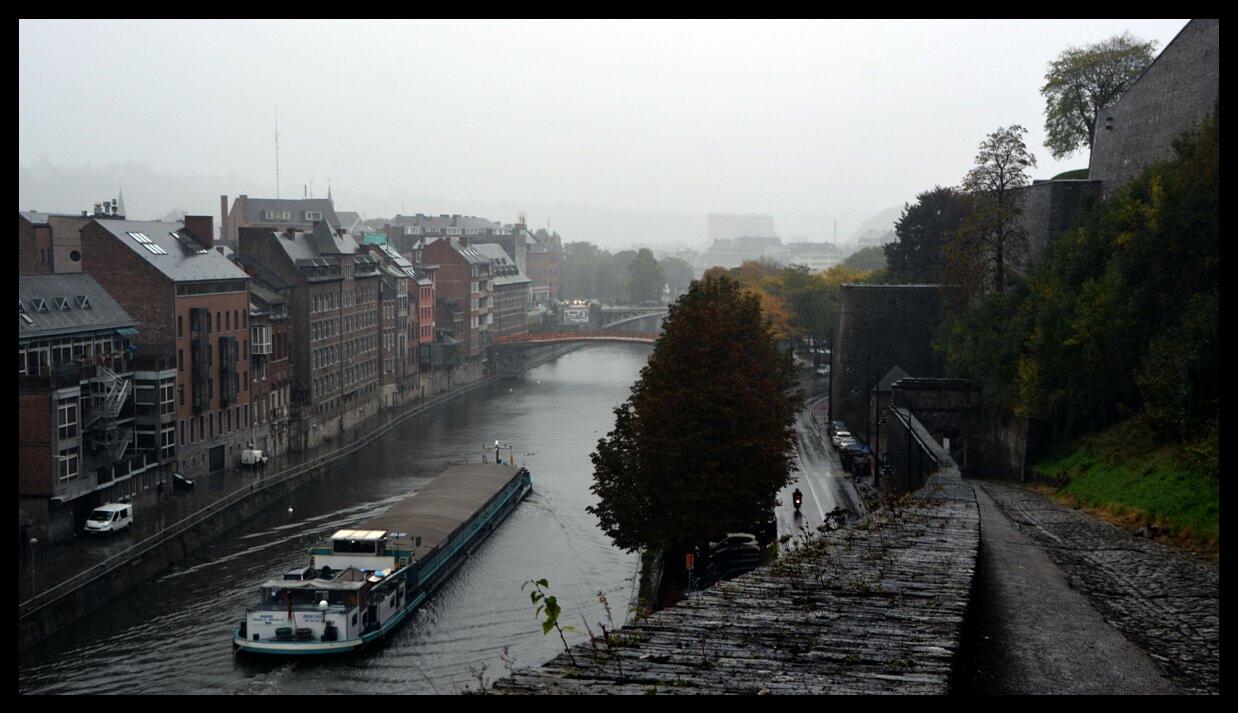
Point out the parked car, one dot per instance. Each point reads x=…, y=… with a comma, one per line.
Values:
x=835, y=427
x=839, y=437
x=112, y=517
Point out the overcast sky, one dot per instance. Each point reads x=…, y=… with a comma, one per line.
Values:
x=808, y=121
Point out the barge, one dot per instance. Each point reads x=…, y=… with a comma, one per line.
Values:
x=361, y=584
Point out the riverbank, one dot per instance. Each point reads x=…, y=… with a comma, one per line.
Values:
x=59, y=606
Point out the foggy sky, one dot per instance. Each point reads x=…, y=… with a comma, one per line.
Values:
x=658, y=123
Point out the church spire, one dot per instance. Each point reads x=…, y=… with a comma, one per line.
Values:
x=120, y=201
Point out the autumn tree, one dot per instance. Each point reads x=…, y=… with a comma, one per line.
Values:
x=1084, y=80
x=706, y=438
x=992, y=239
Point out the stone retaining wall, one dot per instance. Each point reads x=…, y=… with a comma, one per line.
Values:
x=877, y=607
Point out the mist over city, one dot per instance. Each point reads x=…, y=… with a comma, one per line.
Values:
x=616, y=133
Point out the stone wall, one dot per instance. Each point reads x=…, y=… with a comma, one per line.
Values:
x=876, y=607
x=1177, y=92
x=880, y=327
x=1049, y=207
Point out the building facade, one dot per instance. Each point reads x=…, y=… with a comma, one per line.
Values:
x=94, y=424
x=335, y=332
x=464, y=277
x=273, y=214
x=193, y=307
x=511, y=292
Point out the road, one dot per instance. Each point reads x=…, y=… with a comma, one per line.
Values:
x=819, y=473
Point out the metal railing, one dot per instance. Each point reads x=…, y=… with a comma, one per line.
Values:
x=50, y=595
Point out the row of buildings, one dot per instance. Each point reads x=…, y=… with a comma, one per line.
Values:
x=151, y=347
x=733, y=252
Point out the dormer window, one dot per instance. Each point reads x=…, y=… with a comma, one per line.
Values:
x=313, y=215
x=39, y=304
x=83, y=302
x=278, y=215
x=62, y=303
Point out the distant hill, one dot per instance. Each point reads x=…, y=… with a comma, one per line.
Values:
x=877, y=225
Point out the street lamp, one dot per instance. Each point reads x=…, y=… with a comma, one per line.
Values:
x=33, y=541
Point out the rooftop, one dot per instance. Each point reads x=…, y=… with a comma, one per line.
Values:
x=172, y=249
x=65, y=304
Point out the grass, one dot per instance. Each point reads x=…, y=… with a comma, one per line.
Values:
x=1126, y=480
x=1077, y=173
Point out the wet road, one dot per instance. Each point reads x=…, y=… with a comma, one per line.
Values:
x=173, y=635
x=820, y=475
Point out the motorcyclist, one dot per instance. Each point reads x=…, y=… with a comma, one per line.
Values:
x=797, y=497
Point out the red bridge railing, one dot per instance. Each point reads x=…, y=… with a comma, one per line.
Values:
x=602, y=336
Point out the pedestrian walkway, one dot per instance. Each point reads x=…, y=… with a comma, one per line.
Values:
x=1034, y=634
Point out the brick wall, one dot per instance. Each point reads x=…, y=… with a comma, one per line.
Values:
x=34, y=444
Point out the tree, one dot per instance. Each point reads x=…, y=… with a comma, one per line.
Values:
x=706, y=438
x=870, y=258
x=924, y=231
x=645, y=279
x=679, y=274
x=992, y=238
x=1084, y=80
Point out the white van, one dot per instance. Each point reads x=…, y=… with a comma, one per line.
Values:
x=112, y=517
x=253, y=458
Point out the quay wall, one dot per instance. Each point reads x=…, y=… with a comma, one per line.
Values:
x=58, y=608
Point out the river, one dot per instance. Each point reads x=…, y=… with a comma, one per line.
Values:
x=173, y=635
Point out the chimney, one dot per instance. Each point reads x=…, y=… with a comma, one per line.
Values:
x=202, y=227
x=223, y=218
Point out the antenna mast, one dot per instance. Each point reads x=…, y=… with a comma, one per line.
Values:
x=277, y=151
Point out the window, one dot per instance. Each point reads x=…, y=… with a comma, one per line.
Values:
x=166, y=401
x=180, y=326
x=67, y=421
x=68, y=464
x=168, y=445
x=180, y=359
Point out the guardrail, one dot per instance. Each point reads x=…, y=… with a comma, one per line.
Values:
x=48, y=596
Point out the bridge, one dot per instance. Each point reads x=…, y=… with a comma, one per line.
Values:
x=616, y=335
x=611, y=316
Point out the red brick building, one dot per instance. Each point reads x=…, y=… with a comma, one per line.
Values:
x=193, y=307
x=464, y=277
